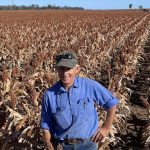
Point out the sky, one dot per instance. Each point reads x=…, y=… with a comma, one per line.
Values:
x=87, y=4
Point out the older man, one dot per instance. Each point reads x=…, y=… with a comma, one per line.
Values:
x=68, y=113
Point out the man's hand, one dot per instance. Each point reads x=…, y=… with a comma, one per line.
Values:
x=49, y=146
x=104, y=130
x=100, y=134
x=47, y=139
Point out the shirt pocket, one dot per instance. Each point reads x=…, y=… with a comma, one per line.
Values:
x=85, y=104
x=62, y=118
x=86, y=108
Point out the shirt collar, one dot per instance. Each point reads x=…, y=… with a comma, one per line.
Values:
x=75, y=85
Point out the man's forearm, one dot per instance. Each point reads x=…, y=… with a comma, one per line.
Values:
x=47, y=138
x=104, y=130
x=110, y=117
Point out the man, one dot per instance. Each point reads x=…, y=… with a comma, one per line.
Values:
x=68, y=113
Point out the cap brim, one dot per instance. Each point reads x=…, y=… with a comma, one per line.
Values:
x=69, y=63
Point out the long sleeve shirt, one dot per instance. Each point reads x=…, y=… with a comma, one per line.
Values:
x=71, y=114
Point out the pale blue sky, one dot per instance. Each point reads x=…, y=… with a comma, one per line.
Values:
x=87, y=4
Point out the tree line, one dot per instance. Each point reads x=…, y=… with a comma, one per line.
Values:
x=36, y=7
x=140, y=7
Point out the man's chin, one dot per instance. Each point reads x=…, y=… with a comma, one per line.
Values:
x=65, y=81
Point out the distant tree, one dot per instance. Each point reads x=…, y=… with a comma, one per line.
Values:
x=140, y=7
x=130, y=6
x=35, y=6
x=49, y=6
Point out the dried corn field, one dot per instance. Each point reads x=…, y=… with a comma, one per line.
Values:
x=109, y=44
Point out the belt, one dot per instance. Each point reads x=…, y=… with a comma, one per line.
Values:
x=73, y=141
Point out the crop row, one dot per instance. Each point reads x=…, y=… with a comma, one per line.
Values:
x=108, y=44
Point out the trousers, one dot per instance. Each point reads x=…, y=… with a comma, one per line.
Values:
x=87, y=145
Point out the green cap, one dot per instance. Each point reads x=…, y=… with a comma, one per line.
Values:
x=66, y=59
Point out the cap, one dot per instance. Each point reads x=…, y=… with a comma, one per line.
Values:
x=66, y=59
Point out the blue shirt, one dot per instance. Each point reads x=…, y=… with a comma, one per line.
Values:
x=71, y=114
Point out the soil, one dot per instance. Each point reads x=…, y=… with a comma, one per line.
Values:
x=139, y=106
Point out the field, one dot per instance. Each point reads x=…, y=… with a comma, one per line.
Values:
x=110, y=45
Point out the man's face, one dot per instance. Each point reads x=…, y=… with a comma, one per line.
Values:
x=67, y=75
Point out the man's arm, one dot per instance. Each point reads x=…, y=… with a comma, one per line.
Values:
x=47, y=139
x=45, y=119
x=104, y=130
